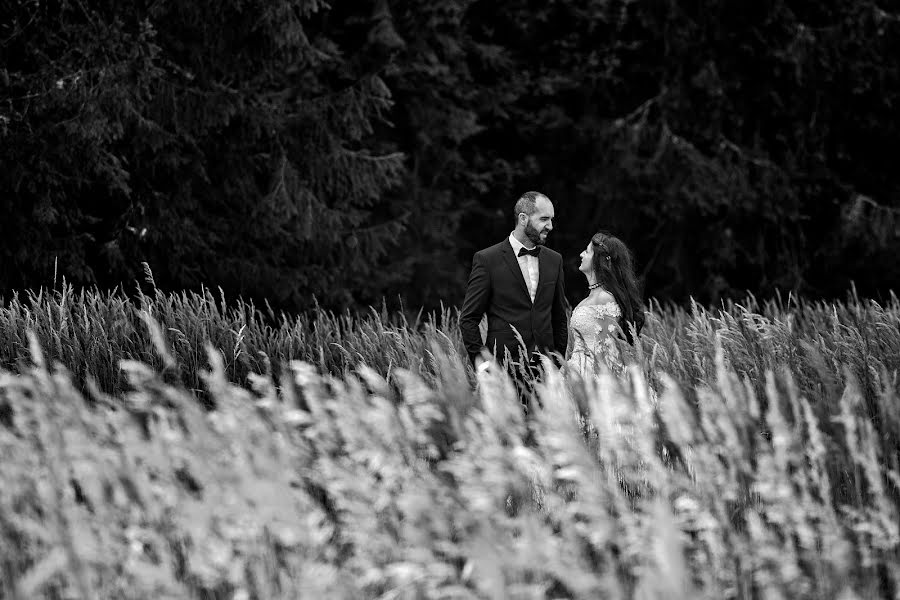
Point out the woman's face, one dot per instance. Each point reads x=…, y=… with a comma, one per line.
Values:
x=587, y=256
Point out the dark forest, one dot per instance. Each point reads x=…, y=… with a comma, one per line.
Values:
x=299, y=152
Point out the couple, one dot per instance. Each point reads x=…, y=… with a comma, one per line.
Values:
x=519, y=285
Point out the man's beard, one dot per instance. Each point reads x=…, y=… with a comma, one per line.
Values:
x=533, y=234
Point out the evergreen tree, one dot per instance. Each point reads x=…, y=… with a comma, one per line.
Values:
x=291, y=149
x=734, y=147
x=442, y=77
x=223, y=143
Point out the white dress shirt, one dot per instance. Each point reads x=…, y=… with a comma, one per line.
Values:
x=528, y=264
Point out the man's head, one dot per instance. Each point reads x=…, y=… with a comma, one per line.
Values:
x=534, y=217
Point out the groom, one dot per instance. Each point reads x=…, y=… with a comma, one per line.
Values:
x=518, y=283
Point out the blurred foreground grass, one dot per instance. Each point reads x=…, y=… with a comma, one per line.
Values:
x=351, y=457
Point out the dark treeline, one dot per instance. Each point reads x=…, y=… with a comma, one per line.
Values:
x=286, y=149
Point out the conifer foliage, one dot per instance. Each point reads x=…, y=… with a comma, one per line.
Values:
x=349, y=151
x=221, y=142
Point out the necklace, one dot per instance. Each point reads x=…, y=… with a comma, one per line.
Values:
x=594, y=286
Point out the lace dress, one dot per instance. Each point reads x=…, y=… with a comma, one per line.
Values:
x=593, y=333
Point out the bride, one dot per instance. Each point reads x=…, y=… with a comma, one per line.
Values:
x=612, y=309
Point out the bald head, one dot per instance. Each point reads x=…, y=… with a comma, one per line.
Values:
x=527, y=204
x=534, y=218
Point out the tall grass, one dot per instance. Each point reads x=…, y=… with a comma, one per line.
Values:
x=91, y=331
x=751, y=453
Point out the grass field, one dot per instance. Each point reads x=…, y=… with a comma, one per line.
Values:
x=181, y=446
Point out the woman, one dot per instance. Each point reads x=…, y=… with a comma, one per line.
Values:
x=612, y=309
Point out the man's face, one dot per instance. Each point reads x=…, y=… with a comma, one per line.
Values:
x=540, y=223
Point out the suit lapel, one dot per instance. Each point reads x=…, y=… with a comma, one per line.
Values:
x=513, y=263
x=545, y=270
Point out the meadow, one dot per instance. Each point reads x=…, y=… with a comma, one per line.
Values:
x=186, y=446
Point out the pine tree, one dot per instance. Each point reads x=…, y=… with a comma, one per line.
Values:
x=225, y=143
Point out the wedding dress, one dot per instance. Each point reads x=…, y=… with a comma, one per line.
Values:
x=594, y=330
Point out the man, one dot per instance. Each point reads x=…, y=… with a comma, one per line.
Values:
x=519, y=284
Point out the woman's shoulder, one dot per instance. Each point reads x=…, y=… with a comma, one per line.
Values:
x=601, y=303
x=600, y=298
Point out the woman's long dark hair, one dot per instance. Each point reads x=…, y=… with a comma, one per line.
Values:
x=613, y=267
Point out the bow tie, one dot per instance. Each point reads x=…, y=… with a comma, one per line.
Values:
x=533, y=252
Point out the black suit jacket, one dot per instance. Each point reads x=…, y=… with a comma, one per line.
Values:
x=496, y=287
